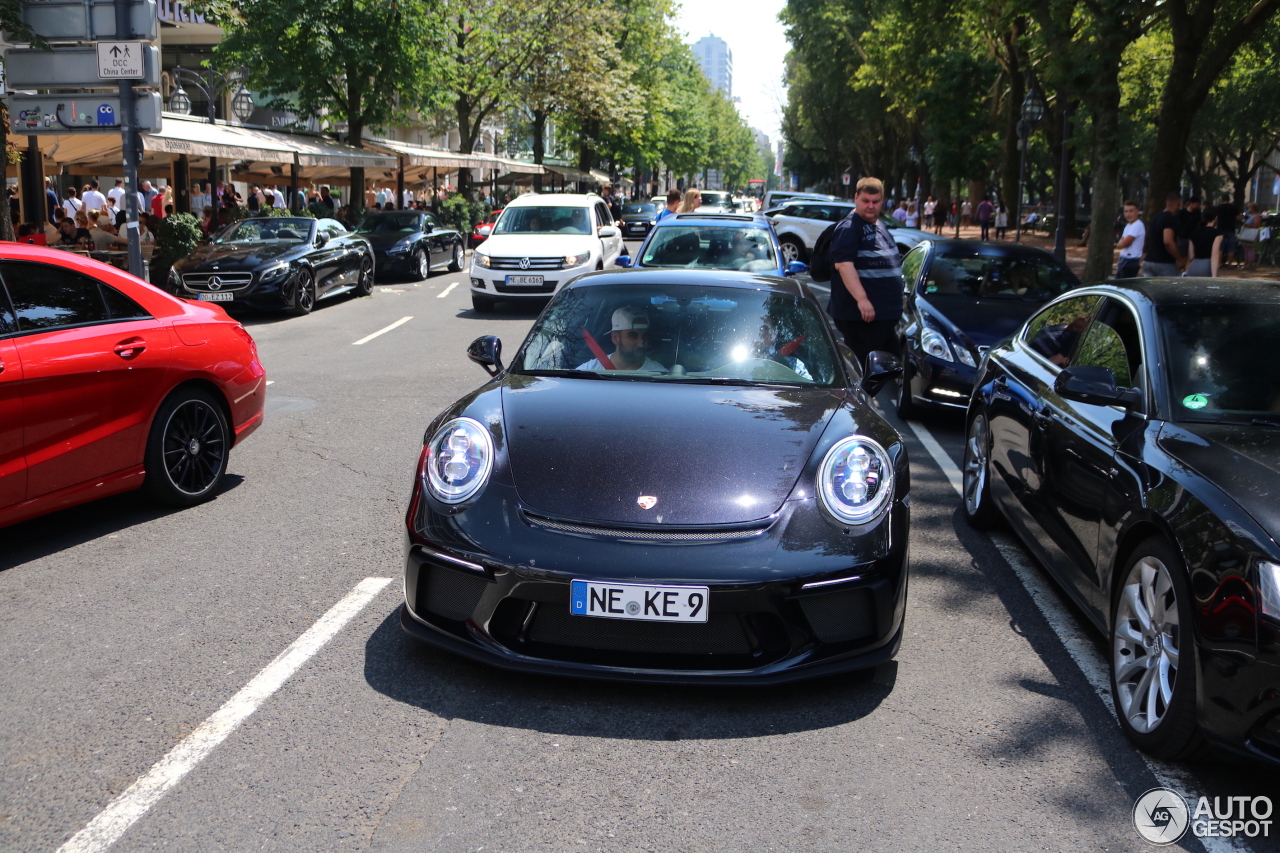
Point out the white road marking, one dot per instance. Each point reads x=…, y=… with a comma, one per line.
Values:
x=368, y=338
x=105, y=829
x=442, y=294
x=1072, y=635
x=271, y=382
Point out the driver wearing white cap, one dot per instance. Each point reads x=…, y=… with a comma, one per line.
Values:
x=630, y=336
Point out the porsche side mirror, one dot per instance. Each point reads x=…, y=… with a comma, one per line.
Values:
x=486, y=351
x=1095, y=386
x=623, y=261
x=881, y=367
x=797, y=267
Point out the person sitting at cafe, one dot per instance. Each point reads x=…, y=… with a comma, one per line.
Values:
x=51, y=232
x=104, y=233
x=146, y=236
x=206, y=222
x=71, y=237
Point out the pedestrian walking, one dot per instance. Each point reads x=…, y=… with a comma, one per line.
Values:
x=900, y=211
x=673, y=202
x=913, y=218
x=50, y=199
x=1228, y=219
x=986, y=210
x=72, y=204
x=966, y=213
x=1204, y=247
x=93, y=199
x=692, y=199
x=117, y=193
x=927, y=211
x=1250, y=233
x=866, y=290
x=1133, y=241
x=1188, y=221
x=1163, y=257
x=1002, y=222
x=939, y=217
x=954, y=219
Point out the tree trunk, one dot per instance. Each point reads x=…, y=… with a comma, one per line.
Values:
x=539, y=144
x=1105, y=105
x=6, y=223
x=1010, y=154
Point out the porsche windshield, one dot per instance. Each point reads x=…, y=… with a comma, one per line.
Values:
x=971, y=276
x=681, y=333
x=714, y=247
x=1218, y=360
x=274, y=230
x=544, y=220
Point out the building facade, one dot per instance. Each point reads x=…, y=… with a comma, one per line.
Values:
x=716, y=60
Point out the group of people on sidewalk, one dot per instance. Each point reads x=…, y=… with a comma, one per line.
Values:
x=933, y=214
x=1187, y=238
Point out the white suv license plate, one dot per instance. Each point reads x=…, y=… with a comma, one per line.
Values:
x=643, y=602
x=524, y=281
x=216, y=297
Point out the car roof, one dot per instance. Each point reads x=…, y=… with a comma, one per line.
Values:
x=554, y=200
x=716, y=219
x=712, y=278
x=1179, y=291
x=951, y=246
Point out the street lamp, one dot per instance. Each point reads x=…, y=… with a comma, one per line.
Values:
x=212, y=84
x=1032, y=112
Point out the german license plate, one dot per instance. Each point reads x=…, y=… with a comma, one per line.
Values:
x=524, y=281
x=216, y=297
x=644, y=602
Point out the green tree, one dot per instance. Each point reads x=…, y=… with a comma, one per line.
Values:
x=11, y=22
x=368, y=63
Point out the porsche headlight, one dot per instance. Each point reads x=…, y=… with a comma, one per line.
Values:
x=577, y=260
x=481, y=260
x=855, y=479
x=458, y=460
x=934, y=344
x=273, y=273
x=1269, y=589
x=399, y=248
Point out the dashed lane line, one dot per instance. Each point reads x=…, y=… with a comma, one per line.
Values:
x=1070, y=633
x=113, y=821
x=442, y=294
x=394, y=325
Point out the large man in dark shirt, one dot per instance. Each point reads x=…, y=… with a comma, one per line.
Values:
x=1163, y=256
x=866, y=292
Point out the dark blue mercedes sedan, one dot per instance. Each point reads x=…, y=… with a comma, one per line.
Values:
x=964, y=296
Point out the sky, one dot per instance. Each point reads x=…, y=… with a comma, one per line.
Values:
x=759, y=46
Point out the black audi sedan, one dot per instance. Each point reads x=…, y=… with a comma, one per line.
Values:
x=1130, y=434
x=411, y=243
x=638, y=220
x=962, y=297
x=678, y=477
x=276, y=263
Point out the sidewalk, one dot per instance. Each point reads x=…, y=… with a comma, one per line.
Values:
x=1076, y=253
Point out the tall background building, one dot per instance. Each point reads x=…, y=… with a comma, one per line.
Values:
x=716, y=59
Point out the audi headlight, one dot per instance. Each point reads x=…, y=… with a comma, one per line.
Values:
x=855, y=479
x=481, y=260
x=935, y=344
x=966, y=357
x=576, y=260
x=1269, y=589
x=458, y=460
x=273, y=273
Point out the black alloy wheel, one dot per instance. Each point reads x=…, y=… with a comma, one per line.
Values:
x=1153, y=655
x=301, y=295
x=364, y=284
x=187, y=449
x=979, y=509
x=455, y=265
x=421, y=266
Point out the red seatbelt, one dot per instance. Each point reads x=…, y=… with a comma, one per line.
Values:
x=787, y=349
x=596, y=350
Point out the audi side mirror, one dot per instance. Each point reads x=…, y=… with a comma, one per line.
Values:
x=486, y=351
x=881, y=367
x=1095, y=386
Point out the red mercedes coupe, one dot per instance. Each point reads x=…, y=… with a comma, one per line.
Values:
x=108, y=384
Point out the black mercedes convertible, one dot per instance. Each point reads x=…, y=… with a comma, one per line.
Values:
x=276, y=263
x=1130, y=434
x=678, y=477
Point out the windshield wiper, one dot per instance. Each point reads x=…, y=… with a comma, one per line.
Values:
x=585, y=374
x=1233, y=421
x=717, y=380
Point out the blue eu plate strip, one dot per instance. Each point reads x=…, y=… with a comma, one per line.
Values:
x=578, y=597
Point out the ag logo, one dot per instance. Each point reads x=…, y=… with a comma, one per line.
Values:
x=1160, y=816
x=647, y=501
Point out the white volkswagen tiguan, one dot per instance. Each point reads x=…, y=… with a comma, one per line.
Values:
x=539, y=244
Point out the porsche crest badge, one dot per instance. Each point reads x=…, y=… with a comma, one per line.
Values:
x=647, y=501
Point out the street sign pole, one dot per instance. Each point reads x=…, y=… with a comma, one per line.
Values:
x=130, y=145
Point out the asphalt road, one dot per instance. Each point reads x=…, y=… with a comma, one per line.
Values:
x=125, y=628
